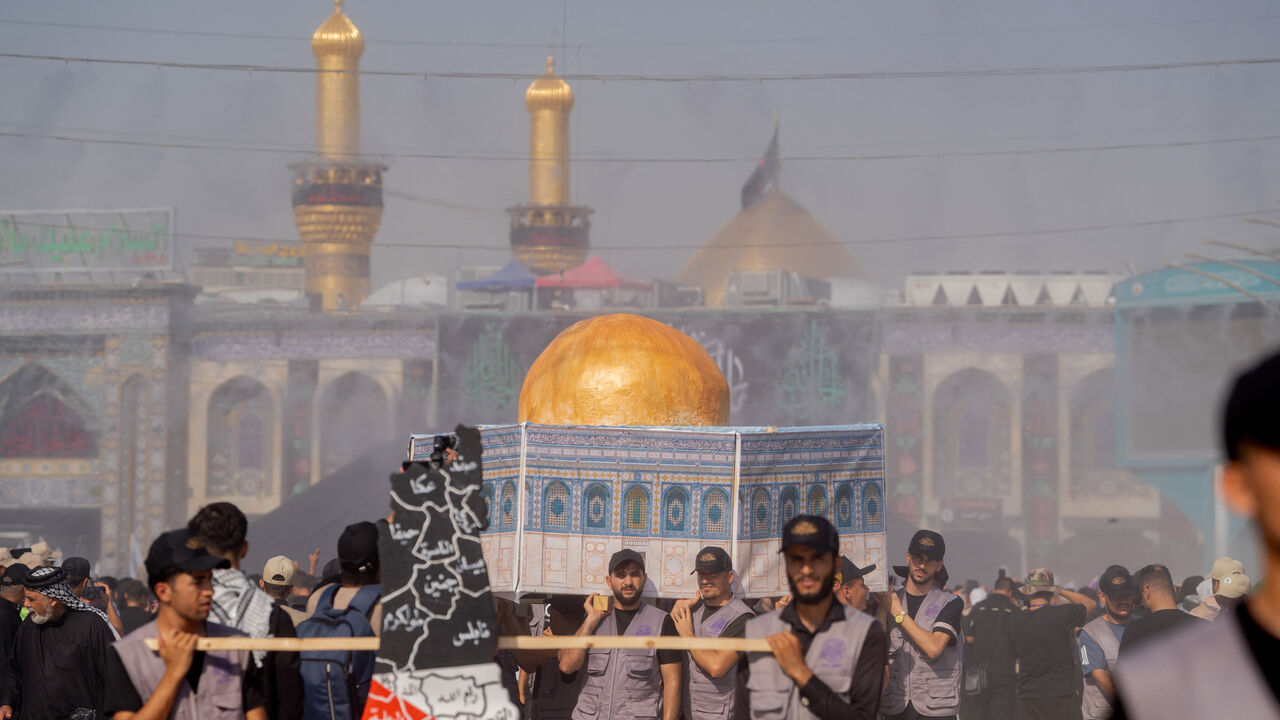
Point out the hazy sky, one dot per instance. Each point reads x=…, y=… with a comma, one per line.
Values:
x=682, y=201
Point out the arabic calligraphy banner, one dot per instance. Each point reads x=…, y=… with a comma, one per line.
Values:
x=48, y=241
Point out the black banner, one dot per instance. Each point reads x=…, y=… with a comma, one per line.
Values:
x=354, y=194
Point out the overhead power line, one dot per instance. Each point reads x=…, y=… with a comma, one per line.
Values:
x=638, y=77
x=593, y=159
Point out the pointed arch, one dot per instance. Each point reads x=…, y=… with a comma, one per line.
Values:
x=817, y=502
x=597, y=513
x=675, y=512
x=635, y=511
x=972, y=416
x=845, y=512
x=788, y=506
x=556, y=507
x=354, y=419
x=240, y=429
x=715, y=514
x=42, y=416
x=872, y=508
x=760, y=512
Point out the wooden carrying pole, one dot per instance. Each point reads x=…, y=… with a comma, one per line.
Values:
x=522, y=642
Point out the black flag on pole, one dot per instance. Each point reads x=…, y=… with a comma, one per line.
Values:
x=764, y=176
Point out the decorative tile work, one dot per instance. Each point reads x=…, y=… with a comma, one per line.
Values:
x=588, y=492
x=314, y=346
x=82, y=317
x=51, y=492
x=907, y=338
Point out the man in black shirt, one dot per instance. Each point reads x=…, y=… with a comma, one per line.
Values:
x=1049, y=680
x=1155, y=585
x=179, y=570
x=989, y=656
x=60, y=653
x=12, y=596
x=134, y=613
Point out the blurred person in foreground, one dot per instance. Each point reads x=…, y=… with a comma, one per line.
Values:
x=1048, y=686
x=1100, y=642
x=1231, y=667
x=990, y=677
x=241, y=604
x=827, y=658
x=925, y=645
x=60, y=655
x=1155, y=587
x=176, y=680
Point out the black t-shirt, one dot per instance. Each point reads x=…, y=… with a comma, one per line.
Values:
x=949, y=618
x=988, y=624
x=1046, y=650
x=1154, y=625
x=665, y=657
x=133, y=617
x=122, y=696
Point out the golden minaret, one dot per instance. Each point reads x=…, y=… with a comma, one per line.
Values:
x=337, y=199
x=548, y=234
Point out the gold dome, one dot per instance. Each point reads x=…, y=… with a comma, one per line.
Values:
x=337, y=36
x=624, y=370
x=774, y=233
x=549, y=92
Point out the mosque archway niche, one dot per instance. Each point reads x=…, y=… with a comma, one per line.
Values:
x=41, y=416
x=353, y=420
x=971, y=436
x=1093, y=470
x=241, y=437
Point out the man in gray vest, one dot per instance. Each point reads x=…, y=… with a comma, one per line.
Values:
x=1190, y=673
x=827, y=658
x=924, y=642
x=625, y=684
x=712, y=681
x=1100, y=642
x=177, y=681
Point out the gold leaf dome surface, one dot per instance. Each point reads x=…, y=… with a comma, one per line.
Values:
x=549, y=92
x=337, y=37
x=624, y=369
x=774, y=233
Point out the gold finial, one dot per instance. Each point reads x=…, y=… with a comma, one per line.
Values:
x=551, y=65
x=337, y=5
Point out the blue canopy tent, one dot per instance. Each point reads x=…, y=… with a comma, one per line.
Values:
x=512, y=276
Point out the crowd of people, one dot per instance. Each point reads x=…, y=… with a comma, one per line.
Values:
x=1130, y=644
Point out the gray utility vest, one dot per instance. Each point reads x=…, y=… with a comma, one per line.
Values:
x=706, y=697
x=832, y=658
x=1196, y=673
x=932, y=688
x=219, y=695
x=623, y=684
x=1095, y=705
x=553, y=698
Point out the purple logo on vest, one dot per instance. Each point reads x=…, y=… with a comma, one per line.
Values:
x=832, y=651
x=933, y=609
x=644, y=630
x=717, y=626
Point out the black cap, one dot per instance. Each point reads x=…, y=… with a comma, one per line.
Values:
x=625, y=555
x=179, y=551
x=712, y=559
x=814, y=532
x=1116, y=582
x=14, y=575
x=331, y=572
x=850, y=572
x=927, y=543
x=76, y=568
x=358, y=548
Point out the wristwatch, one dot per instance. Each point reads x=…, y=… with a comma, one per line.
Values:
x=898, y=618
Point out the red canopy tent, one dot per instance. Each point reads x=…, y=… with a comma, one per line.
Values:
x=592, y=274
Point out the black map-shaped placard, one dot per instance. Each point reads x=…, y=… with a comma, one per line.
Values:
x=436, y=608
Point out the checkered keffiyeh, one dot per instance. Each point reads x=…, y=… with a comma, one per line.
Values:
x=52, y=583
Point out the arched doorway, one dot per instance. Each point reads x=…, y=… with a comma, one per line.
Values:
x=353, y=420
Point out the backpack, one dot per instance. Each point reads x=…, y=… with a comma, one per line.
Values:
x=335, y=683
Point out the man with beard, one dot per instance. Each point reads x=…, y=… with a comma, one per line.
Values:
x=60, y=654
x=714, y=690
x=827, y=658
x=1231, y=667
x=625, y=684
x=1100, y=642
x=924, y=643
x=851, y=588
x=177, y=681
x=1155, y=587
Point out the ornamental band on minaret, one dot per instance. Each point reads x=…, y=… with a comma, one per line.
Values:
x=548, y=235
x=337, y=198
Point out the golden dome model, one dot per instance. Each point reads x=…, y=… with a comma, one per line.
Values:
x=549, y=92
x=774, y=233
x=337, y=36
x=624, y=370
